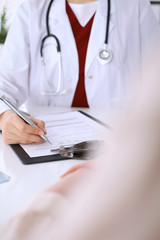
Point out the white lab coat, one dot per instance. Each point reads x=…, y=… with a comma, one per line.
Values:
x=133, y=28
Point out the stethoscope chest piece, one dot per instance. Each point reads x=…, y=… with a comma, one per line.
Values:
x=105, y=56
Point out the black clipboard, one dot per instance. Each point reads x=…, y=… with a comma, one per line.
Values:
x=26, y=159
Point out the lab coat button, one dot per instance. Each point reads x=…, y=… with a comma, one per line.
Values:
x=90, y=77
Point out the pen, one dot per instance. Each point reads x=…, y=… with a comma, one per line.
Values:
x=21, y=115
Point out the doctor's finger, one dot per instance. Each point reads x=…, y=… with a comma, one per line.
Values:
x=40, y=124
x=13, y=138
x=24, y=127
x=13, y=120
x=12, y=134
x=29, y=135
x=13, y=125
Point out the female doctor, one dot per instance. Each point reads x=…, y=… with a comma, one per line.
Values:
x=72, y=53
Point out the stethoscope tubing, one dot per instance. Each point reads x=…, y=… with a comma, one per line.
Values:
x=47, y=17
x=43, y=42
x=57, y=40
x=108, y=22
x=105, y=51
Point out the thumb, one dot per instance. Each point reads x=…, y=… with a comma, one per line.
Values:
x=40, y=124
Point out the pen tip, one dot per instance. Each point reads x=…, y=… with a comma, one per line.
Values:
x=49, y=142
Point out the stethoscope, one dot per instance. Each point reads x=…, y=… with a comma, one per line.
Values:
x=104, y=56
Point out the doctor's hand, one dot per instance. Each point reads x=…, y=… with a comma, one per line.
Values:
x=15, y=130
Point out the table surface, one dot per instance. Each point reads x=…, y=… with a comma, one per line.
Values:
x=26, y=181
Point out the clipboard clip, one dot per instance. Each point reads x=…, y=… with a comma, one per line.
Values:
x=84, y=150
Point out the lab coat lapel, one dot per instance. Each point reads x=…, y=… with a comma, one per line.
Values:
x=98, y=31
x=62, y=29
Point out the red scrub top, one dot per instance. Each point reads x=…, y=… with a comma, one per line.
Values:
x=81, y=35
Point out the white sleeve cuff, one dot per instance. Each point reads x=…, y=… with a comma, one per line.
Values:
x=3, y=107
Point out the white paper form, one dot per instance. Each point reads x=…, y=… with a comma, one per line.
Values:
x=65, y=129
